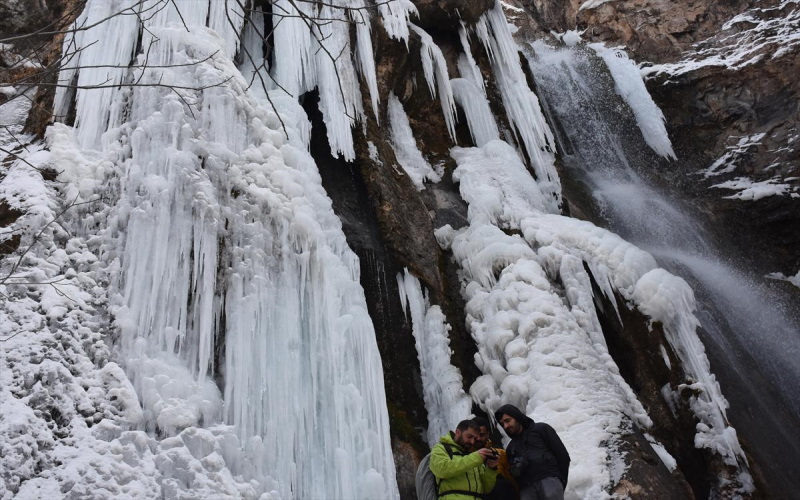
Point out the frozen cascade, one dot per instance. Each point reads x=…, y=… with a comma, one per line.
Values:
x=482, y=126
x=520, y=103
x=226, y=237
x=750, y=334
x=523, y=326
x=445, y=400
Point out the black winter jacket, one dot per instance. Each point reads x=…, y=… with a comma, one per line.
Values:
x=539, y=444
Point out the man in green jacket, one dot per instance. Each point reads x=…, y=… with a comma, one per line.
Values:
x=462, y=475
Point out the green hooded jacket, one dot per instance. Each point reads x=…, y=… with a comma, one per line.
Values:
x=464, y=472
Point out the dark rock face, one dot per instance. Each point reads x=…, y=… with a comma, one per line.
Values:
x=447, y=14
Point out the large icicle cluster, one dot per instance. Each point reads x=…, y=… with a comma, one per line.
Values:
x=520, y=103
x=531, y=312
x=221, y=249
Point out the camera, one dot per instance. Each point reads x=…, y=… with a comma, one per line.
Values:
x=518, y=466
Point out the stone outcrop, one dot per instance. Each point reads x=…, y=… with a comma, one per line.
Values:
x=448, y=14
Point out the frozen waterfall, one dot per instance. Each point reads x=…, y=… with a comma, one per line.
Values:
x=231, y=263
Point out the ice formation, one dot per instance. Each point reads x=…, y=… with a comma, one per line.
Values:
x=311, y=55
x=542, y=349
x=520, y=103
x=470, y=98
x=467, y=67
x=217, y=230
x=408, y=155
x=628, y=84
x=396, y=17
x=445, y=400
x=435, y=68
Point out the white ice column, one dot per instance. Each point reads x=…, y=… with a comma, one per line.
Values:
x=442, y=386
x=482, y=126
x=93, y=68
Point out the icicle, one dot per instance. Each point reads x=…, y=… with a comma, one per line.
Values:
x=669, y=300
x=629, y=84
x=226, y=17
x=520, y=102
x=405, y=146
x=396, y=16
x=435, y=68
x=339, y=94
x=98, y=64
x=480, y=119
x=160, y=13
x=442, y=386
x=294, y=61
x=467, y=66
x=365, y=57
x=255, y=66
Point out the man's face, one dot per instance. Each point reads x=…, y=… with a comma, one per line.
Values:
x=483, y=436
x=510, y=425
x=466, y=438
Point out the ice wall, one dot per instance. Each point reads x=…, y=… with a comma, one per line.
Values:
x=228, y=261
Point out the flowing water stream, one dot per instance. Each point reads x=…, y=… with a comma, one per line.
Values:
x=750, y=332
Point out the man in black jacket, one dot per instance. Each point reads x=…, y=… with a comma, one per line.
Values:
x=537, y=457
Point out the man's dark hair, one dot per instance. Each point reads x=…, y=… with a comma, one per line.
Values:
x=482, y=422
x=467, y=424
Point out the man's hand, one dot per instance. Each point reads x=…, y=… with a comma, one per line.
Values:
x=489, y=457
